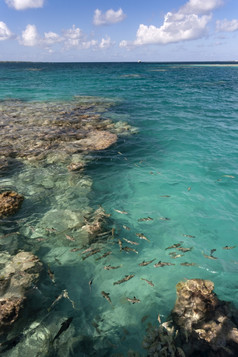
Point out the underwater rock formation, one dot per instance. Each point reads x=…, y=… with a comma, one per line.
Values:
x=10, y=202
x=200, y=325
x=18, y=273
x=95, y=225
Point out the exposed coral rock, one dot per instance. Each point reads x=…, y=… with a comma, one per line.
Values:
x=98, y=140
x=18, y=273
x=95, y=225
x=201, y=324
x=10, y=202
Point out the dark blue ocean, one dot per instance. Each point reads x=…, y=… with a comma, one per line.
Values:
x=172, y=178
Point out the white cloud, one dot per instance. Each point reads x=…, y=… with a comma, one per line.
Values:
x=88, y=44
x=24, y=4
x=5, y=33
x=200, y=7
x=226, y=25
x=30, y=36
x=188, y=23
x=106, y=43
x=51, y=37
x=73, y=36
x=110, y=17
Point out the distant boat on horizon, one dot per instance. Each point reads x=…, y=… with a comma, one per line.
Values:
x=139, y=61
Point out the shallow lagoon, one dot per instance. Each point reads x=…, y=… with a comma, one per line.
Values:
x=179, y=168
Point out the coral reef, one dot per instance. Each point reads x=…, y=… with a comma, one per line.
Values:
x=18, y=273
x=10, y=202
x=200, y=325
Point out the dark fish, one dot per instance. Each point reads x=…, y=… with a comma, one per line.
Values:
x=109, y=267
x=94, y=251
x=128, y=249
x=141, y=236
x=162, y=264
x=164, y=219
x=127, y=277
x=130, y=241
x=167, y=196
x=64, y=326
x=188, y=235
x=51, y=274
x=104, y=255
x=227, y=248
x=90, y=285
x=184, y=250
x=145, y=219
x=144, y=263
x=148, y=281
x=51, y=230
x=186, y=264
x=209, y=256
x=134, y=300
x=212, y=251
x=7, y=345
x=106, y=296
x=174, y=246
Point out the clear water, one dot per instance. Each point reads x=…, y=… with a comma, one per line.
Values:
x=182, y=165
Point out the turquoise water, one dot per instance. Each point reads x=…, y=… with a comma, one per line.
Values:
x=180, y=168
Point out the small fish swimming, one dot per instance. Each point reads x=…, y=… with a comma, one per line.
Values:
x=159, y=318
x=144, y=263
x=51, y=274
x=141, y=236
x=74, y=249
x=186, y=264
x=64, y=326
x=176, y=245
x=209, y=256
x=162, y=264
x=104, y=255
x=106, y=296
x=184, y=250
x=230, y=176
x=69, y=238
x=109, y=267
x=165, y=196
x=174, y=255
x=134, y=300
x=87, y=250
x=127, y=277
x=145, y=219
x=164, y=219
x=227, y=247
x=128, y=249
x=90, y=284
x=130, y=241
x=188, y=235
x=94, y=251
x=148, y=281
x=121, y=212
x=51, y=230
x=212, y=251
x=189, y=188
x=126, y=227
x=120, y=244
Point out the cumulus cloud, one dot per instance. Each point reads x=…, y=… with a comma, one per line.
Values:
x=109, y=17
x=24, y=4
x=30, y=36
x=226, y=25
x=73, y=36
x=5, y=33
x=51, y=37
x=188, y=23
x=106, y=43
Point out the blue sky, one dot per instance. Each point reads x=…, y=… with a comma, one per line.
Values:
x=119, y=30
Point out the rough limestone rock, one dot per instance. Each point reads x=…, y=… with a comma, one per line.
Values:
x=18, y=273
x=10, y=202
x=200, y=325
x=98, y=140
